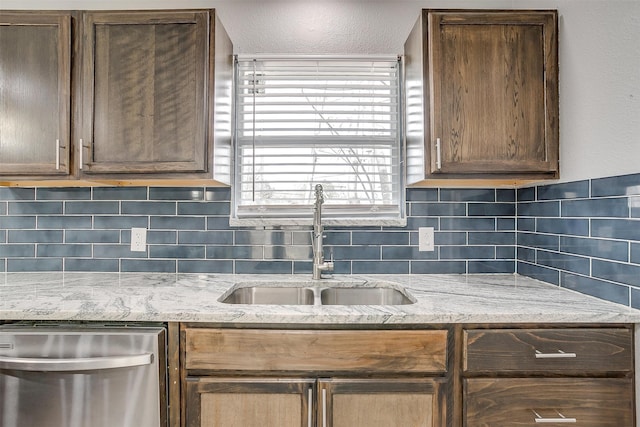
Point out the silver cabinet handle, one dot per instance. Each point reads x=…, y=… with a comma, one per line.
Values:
x=438, y=155
x=310, y=408
x=324, y=407
x=559, y=355
x=560, y=419
x=57, y=154
x=74, y=364
x=81, y=150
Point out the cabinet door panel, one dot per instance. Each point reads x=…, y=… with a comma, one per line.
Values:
x=380, y=403
x=255, y=402
x=493, y=97
x=145, y=84
x=606, y=402
x=494, y=76
x=35, y=78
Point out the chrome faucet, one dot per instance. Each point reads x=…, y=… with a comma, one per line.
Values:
x=319, y=264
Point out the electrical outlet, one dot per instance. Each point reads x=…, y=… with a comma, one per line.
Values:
x=425, y=239
x=138, y=239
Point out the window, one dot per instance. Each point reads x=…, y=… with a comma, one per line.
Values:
x=306, y=121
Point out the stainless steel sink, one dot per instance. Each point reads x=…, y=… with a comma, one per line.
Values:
x=363, y=296
x=271, y=295
x=306, y=294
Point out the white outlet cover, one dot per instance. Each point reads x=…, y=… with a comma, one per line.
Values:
x=138, y=239
x=425, y=239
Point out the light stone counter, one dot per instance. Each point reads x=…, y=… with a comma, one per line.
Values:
x=135, y=297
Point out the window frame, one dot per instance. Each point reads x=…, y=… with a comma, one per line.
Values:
x=337, y=215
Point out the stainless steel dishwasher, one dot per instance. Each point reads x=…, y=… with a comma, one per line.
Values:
x=66, y=376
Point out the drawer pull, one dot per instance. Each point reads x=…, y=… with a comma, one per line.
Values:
x=559, y=355
x=559, y=419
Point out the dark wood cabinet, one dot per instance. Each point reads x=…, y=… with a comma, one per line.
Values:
x=35, y=82
x=114, y=96
x=460, y=375
x=306, y=378
x=148, y=92
x=482, y=95
x=525, y=377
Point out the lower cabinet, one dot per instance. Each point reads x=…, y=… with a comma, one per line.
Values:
x=308, y=402
x=548, y=376
x=249, y=377
x=444, y=376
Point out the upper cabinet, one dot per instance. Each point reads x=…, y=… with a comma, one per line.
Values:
x=147, y=92
x=152, y=95
x=482, y=95
x=35, y=101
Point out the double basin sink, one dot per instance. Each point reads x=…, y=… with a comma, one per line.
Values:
x=291, y=294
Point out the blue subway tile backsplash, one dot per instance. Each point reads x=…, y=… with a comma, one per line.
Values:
x=582, y=235
x=598, y=231
x=188, y=231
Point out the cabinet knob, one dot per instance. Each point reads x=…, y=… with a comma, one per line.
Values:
x=438, y=155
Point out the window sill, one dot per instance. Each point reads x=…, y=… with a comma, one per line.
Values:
x=308, y=222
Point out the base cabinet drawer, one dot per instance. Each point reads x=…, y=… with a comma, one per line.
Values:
x=277, y=350
x=564, y=351
x=585, y=402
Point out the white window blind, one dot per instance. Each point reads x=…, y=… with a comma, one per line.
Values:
x=306, y=121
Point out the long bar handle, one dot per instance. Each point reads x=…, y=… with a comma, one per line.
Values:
x=438, y=155
x=559, y=355
x=324, y=407
x=560, y=419
x=81, y=155
x=82, y=147
x=74, y=364
x=57, y=154
x=310, y=408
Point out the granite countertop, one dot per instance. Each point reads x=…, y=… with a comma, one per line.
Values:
x=135, y=297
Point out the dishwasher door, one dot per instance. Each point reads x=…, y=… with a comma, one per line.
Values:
x=82, y=377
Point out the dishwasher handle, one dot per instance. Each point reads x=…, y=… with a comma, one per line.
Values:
x=74, y=364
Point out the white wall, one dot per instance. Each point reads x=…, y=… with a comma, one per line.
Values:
x=599, y=56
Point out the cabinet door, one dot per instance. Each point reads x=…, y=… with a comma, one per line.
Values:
x=35, y=79
x=380, y=403
x=602, y=402
x=250, y=402
x=494, y=100
x=145, y=84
